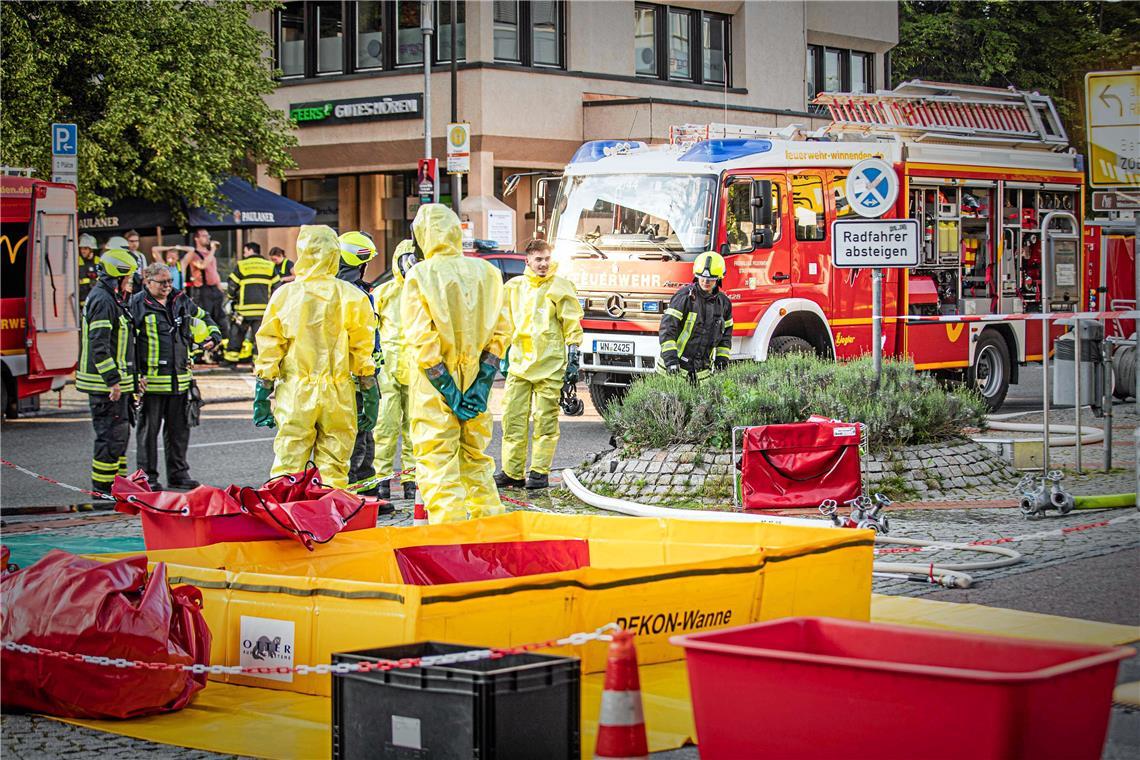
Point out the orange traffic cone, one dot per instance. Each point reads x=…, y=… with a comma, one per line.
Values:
x=621, y=725
x=419, y=514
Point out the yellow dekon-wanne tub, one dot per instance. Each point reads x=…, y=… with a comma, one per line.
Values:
x=272, y=603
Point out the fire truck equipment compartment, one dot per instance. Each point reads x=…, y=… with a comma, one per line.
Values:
x=656, y=577
x=1025, y=698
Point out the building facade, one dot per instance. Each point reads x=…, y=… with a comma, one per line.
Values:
x=535, y=80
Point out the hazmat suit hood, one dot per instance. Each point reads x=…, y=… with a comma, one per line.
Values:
x=536, y=278
x=318, y=252
x=437, y=230
x=405, y=246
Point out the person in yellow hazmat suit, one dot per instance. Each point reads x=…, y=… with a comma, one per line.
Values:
x=455, y=331
x=394, y=377
x=316, y=337
x=546, y=330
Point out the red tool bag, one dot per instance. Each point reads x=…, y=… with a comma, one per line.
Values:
x=800, y=464
x=297, y=506
x=80, y=606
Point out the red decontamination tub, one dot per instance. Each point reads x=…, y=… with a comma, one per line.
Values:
x=827, y=688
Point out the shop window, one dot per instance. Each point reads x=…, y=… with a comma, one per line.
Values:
x=738, y=215
x=528, y=33
x=291, y=40
x=681, y=44
x=808, y=207
x=838, y=70
x=342, y=36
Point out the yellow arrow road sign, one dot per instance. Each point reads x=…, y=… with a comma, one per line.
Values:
x=1112, y=120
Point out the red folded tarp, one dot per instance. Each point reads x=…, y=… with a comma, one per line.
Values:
x=297, y=506
x=456, y=563
x=80, y=606
x=800, y=464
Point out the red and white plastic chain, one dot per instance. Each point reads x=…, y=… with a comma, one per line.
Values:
x=377, y=479
x=53, y=481
x=471, y=655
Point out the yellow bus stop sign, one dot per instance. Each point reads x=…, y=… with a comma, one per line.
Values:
x=1112, y=119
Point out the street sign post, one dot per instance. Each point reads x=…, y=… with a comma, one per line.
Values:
x=65, y=153
x=875, y=244
x=1112, y=120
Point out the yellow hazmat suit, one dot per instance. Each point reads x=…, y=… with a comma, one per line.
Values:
x=545, y=318
x=452, y=311
x=394, y=376
x=317, y=334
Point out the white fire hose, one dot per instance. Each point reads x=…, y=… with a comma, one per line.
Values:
x=950, y=575
x=999, y=422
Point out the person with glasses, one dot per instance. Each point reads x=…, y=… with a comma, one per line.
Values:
x=167, y=323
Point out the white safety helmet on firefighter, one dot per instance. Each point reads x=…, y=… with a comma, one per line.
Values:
x=709, y=264
x=356, y=248
x=119, y=242
x=87, y=240
x=118, y=262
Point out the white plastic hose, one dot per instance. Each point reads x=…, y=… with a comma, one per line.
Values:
x=1000, y=422
x=949, y=575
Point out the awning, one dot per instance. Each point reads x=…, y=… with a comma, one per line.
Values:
x=246, y=207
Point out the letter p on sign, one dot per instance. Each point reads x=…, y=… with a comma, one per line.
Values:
x=64, y=139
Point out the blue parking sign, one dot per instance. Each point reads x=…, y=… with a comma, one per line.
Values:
x=64, y=139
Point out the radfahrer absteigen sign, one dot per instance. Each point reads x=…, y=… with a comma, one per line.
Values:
x=875, y=243
x=377, y=108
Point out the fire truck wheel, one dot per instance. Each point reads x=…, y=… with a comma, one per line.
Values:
x=790, y=344
x=603, y=395
x=990, y=372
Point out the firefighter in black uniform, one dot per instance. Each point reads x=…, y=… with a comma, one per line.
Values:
x=251, y=282
x=167, y=323
x=88, y=266
x=106, y=370
x=696, y=329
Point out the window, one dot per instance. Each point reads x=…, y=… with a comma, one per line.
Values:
x=680, y=47
x=444, y=30
x=645, y=41
x=714, y=44
x=330, y=35
x=319, y=38
x=369, y=34
x=529, y=33
x=506, y=22
x=807, y=206
x=681, y=44
x=291, y=40
x=838, y=70
x=738, y=214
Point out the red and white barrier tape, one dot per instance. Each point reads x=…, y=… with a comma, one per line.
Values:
x=377, y=480
x=53, y=481
x=471, y=655
x=1012, y=539
x=1053, y=315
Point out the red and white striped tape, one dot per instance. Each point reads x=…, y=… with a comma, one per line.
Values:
x=1053, y=315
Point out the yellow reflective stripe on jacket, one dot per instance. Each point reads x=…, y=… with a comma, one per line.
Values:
x=669, y=345
x=674, y=313
x=151, y=345
x=724, y=352
x=686, y=332
x=100, y=324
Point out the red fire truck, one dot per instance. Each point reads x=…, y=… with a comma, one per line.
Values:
x=979, y=168
x=39, y=306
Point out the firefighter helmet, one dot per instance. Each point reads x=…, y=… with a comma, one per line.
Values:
x=118, y=262
x=709, y=264
x=87, y=240
x=356, y=248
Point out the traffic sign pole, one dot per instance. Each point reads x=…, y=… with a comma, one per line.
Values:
x=877, y=324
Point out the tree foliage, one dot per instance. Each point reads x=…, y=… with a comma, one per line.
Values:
x=1042, y=46
x=167, y=95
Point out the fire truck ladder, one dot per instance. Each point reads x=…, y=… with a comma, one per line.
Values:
x=687, y=134
x=919, y=110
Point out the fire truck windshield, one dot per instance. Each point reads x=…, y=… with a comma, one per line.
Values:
x=637, y=215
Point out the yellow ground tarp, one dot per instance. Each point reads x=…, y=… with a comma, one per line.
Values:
x=281, y=724
x=657, y=577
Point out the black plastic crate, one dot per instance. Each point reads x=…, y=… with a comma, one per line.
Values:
x=518, y=706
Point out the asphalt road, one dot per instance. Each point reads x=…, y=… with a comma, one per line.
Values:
x=226, y=448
